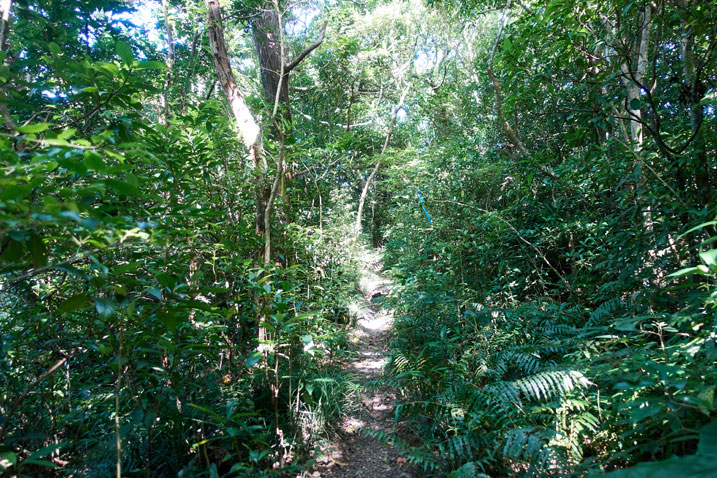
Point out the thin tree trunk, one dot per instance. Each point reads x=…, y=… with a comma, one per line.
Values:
x=696, y=109
x=248, y=129
x=267, y=212
x=507, y=128
x=369, y=180
x=170, y=61
x=634, y=78
x=5, y=6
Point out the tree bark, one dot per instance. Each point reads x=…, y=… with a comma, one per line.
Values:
x=633, y=78
x=248, y=129
x=267, y=32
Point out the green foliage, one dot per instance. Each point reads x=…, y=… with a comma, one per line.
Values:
x=557, y=317
x=128, y=257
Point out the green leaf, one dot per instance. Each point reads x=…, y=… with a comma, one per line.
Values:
x=44, y=463
x=94, y=161
x=106, y=307
x=7, y=460
x=122, y=187
x=169, y=319
x=468, y=470
x=38, y=251
x=73, y=165
x=709, y=257
x=700, y=465
x=708, y=440
x=151, y=65
x=685, y=271
x=13, y=251
x=119, y=270
x=253, y=359
x=705, y=402
x=167, y=280
x=211, y=413
x=634, y=104
x=44, y=451
x=33, y=128
x=73, y=303
x=125, y=52
x=15, y=191
x=706, y=224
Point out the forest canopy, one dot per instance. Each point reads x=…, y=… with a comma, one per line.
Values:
x=188, y=188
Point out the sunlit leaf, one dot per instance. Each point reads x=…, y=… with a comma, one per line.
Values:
x=125, y=52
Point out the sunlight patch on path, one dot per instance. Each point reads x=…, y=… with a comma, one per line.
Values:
x=352, y=454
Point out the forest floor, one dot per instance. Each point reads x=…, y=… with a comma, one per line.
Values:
x=352, y=454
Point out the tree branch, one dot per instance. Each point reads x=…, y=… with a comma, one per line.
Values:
x=24, y=394
x=306, y=52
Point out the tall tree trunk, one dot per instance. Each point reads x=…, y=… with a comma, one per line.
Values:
x=507, y=128
x=369, y=180
x=266, y=30
x=268, y=41
x=5, y=6
x=695, y=94
x=247, y=127
x=634, y=68
x=170, y=61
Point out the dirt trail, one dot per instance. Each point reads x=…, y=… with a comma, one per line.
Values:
x=352, y=454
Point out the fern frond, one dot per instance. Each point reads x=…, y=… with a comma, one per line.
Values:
x=604, y=310
x=548, y=384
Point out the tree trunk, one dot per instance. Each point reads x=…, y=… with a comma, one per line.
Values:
x=362, y=199
x=367, y=184
x=507, y=128
x=248, y=129
x=5, y=6
x=695, y=94
x=634, y=77
x=268, y=41
x=170, y=62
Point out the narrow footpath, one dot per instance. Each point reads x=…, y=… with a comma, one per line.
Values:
x=352, y=454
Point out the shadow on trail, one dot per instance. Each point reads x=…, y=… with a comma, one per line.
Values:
x=352, y=454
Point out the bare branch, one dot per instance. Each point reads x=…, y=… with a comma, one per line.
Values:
x=306, y=52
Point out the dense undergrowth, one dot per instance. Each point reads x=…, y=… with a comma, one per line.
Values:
x=183, y=186
x=557, y=310
x=543, y=328
x=509, y=371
